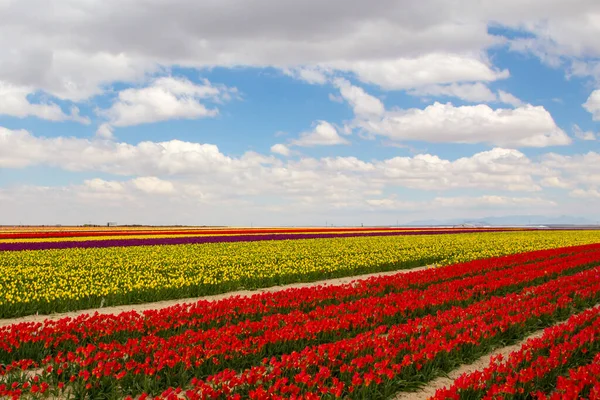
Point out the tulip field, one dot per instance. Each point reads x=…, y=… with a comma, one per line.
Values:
x=81, y=275
x=371, y=338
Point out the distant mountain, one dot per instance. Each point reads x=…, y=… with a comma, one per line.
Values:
x=510, y=220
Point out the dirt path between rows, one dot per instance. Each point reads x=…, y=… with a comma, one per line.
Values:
x=168, y=303
x=482, y=362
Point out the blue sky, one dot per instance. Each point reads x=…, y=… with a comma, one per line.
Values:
x=216, y=113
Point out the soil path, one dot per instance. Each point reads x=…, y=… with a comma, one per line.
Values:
x=482, y=362
x=168, y=303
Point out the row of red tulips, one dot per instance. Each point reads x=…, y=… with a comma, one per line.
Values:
x=371, y=348
x=40, y=339
x=534, y=370
x=579, y=382
x=378, y=363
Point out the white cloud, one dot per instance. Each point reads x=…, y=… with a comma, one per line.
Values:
x=508, y=98
x=81, y=204
x=363, y=104
x=592, y=105
x=104, y=131
x=471, y=92
x=562, y=35
x=14, y=102
x=488, y=202
x=577, y=169
x=201, y=172
x=586, y=194
x=21, y=149
x=583, y=135
x=428, y=69
x=100, y=185
x=335, y=98
x=581, y=68
x=154, y=185
x=579, y=172
x=324, y=134
x=166, y=98
x=524, y=126
x=561, y=30
x=189, y=174
x=493, y=201
x=555, y=182
x=206, y=165
x=498, y=168
x=109, y=193
x=392, y=204
x=76, y=117
x=540, y=48
x=76, y=49
x=281, y=149
x=527, y=126
x=312, y=75
x=62, y=70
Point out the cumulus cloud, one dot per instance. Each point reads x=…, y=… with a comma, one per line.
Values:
x=428, y=69
x=571, y=168
x=104, y=131
x=586, y=194
x=561, y=30
x=462, y=202
x=73, y=50
x=189, y=174
x=555, y=182
x=313, y=75
x=587, y=68
x=280, y=149
x=583, y=135
x=165, y=98
x=91, y=204
x=527, y=126
x=523, y=126
x=507, y=98
x=362, y=103
x=471, y=92
x=154, y=185
x=592, y=105
x=18, y=148
x=493, y=201
x=499, y=168
x=14, y=101
x=324, y=134
x=563, y=35
x=101, y=185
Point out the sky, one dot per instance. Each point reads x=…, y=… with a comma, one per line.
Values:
x=278, y=112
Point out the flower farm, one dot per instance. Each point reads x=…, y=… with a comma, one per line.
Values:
x=435, y=299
